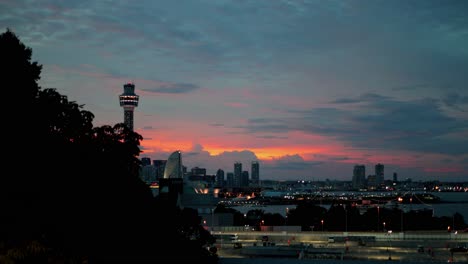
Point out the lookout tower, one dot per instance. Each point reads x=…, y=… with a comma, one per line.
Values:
x=129, y=100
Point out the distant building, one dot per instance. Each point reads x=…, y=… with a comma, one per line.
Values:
x=372, y=182
x=255, y=173
x=229, y=179
x=147, y=171
x=359, y=176
x=148, y=174
x=175, y=189
x=196, y=171
x=244, y=179
x=237, y=174
x=395, y=177
x=171, y=184
x=220, y=178
x=379, y=173
x=160, y=166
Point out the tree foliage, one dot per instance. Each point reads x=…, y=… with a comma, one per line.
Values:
x=70, y=192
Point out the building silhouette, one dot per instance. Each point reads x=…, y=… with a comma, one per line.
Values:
x=237, y=174
x=255, y=173
x=359, y=176
x=230, y=179
x=129, y=100
x=171, y=184
x=244, y=179
x=160, y=166
x=220, y=178
x=379, y=174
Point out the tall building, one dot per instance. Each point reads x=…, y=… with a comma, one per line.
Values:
x=171, y=184
x=255, y=173
x=160, y=166
x=379, y=173
x=196, y=171
x=244, y=179
x=359, y=176
x=220, y=178
x=237, y=174
x=173, y=168
x=230, y=179
x=147, y=171
x=148, y=174
x=129, y=100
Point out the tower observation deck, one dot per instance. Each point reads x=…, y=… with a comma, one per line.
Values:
x=129, y=100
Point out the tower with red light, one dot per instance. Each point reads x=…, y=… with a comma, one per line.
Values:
x=129, y=100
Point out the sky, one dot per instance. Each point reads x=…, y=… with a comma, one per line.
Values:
x=307, y=88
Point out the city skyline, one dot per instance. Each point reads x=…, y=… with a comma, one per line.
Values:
x=307, y=88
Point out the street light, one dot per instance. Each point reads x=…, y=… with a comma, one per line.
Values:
x=322, y=224
x=384, y=226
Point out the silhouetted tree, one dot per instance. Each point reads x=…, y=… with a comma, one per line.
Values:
x=275, y=219
x=335, y=217
x=72, y=193
x=306, y=215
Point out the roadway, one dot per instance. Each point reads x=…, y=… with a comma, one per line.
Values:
x=318, y=245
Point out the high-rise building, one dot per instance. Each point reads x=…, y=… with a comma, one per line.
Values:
x=160, y=166
x=230, y=179
x=148, y=174
x=171, y=184
x=359, y=176
x=147, y=171
x=372, y=183
x=237, y=174
x=129, y=100
x=196, y=171
x=255, y=173
x=220, y=178
x=244, y=179
x=173, y=168
x=379, y=173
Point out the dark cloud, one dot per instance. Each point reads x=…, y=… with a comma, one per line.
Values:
x=368, y=97
x=272, y=137
x=292, y=163
x=456, y=101
x=330, y=158
x=173, y=88
x=378, y=122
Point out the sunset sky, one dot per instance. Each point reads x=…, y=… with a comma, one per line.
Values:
x=308, y=88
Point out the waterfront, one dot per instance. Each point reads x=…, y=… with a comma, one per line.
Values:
x=452, y=202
